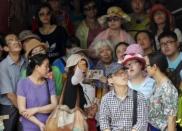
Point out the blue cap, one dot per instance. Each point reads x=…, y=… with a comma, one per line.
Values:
x=113, y=68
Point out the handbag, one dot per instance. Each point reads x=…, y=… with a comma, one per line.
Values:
x=65, y=119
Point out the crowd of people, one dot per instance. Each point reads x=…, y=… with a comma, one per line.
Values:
x=135, y=60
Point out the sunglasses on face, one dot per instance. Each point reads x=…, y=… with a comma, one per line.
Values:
x=89, y=8
x=45, y=14
x=113, y=18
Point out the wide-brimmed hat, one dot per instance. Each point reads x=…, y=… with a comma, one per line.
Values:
x=74, y=59
x=113, y=68
x=137, y=57
x=26, y=34
x=134, y=49
x=117, y=11
x=75, y=50
x=160, y=7
x=33, y=43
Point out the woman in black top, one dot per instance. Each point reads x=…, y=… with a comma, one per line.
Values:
x=55, y=36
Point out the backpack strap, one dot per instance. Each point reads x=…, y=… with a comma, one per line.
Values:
x=179, y=67
x=134, y=107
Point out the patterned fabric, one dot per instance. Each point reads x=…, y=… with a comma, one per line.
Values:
x=99, y=85
x=146, y=87
x=162, y=104
x=116, y=114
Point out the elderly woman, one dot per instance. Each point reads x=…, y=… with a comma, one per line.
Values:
x=115, y=18
x=104, y=52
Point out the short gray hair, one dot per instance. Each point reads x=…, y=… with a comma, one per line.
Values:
x=100, y=44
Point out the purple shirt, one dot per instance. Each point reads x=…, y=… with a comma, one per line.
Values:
x=36, y=96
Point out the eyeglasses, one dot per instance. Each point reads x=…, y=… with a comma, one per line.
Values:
x=45, y=14
x=167, y=43
x=89, y=8
x=113, y=18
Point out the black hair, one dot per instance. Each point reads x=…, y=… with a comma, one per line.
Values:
x=159, y=60
x=45, y=5
x=150, y=35
x=35, y=60
x=72, y=40
x=168, y=34
x=86, y=2
x=4, y=42
x=120, y=43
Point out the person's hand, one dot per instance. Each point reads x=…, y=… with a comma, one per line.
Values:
x=30, y=112
x=41, y=126
x=82, y=65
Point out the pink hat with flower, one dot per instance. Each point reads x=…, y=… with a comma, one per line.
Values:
x=134, y=52
x=134, y=49
x=137, y=57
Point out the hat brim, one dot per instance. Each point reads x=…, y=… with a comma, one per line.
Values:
x=85, y=51
x=45, y=46
x=142, y=60
x=124, y=16
x=29, y=36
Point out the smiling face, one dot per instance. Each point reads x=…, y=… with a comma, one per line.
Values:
x=45, y=15
x=105, y=54
x=12, y=44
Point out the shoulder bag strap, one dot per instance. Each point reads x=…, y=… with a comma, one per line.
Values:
x=134, y=107
x=62, y=93
x=179, y=67
x=48, y=91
